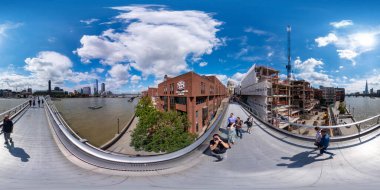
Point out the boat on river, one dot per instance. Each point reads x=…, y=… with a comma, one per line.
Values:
x=95, y=107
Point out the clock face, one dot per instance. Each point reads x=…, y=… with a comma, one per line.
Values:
x=181, y=85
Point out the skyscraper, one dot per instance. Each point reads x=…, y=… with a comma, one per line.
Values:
x=366, y=87
x=96, y=88
x=103, y=88
x=49, y=90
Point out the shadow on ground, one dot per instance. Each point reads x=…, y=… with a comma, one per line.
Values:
x=303, y=158
x=18, y=152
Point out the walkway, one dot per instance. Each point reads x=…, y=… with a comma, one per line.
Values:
x=259, y=160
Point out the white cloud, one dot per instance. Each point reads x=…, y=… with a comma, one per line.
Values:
x=350, y=46
x=135, y=79
x=202, y=64
x=347, y=54
x=358, y=84
x=345, y=78
x=308, y=70
x=324, y=41
x=238, y=76
x=120, y=72
x=341, y=67
x=47, y=65
x=7, y=26
x=99, y=70
x=89, y=21
x=342, y=23
x=153, y=40
x=256, y=31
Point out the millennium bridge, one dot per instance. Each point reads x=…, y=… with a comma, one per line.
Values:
x=46, y=154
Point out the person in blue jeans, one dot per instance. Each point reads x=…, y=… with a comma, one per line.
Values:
x=324, y=143
x=239, y=127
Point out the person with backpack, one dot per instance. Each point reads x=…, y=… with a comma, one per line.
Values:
x=7, y=129
x=249, y=123
x=218, y=147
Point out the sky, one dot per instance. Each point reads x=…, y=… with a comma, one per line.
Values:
x=131, y=45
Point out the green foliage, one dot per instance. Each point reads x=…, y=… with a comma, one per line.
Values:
x=342, y=108
x=160, y=131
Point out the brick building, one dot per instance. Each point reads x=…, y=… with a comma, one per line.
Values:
x=197, y=96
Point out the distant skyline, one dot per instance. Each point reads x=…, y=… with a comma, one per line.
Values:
x=130, y=45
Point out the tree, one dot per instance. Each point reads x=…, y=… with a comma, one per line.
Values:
x=160, y=131
x=342, y=108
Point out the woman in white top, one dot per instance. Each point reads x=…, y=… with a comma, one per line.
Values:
x=318, y=137
x=231, y=133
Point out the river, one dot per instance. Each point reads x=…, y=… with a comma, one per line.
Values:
x=363, y=107
x=9, y=103
x=100, y=125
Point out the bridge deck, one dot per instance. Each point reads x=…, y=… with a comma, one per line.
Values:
x=259, y=160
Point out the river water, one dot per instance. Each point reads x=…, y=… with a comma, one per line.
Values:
x=363, y=107
x=8, y=103
x=100, y=125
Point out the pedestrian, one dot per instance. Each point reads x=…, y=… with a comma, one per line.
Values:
x=249, y=123
x=42, y=101
x=39, y=102
x=324, y=143
x=218, y=147
x=34, y=102
x=239, y=127
x=231, y=119
x=7, y=129
x=30, y=102
x=318, y=137
x=231, y=133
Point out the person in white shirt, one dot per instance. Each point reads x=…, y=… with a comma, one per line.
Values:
x=318, y=137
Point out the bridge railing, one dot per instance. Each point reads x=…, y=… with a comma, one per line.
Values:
x=107, y=157
x=13, y=112
x=360, y=127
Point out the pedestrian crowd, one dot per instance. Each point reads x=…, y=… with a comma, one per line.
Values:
x=33, y=100
x=234, y=128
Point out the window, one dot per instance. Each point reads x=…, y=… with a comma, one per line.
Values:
x=196, y=114
x=165, y=89
x=200, y=100
x=196, y=127
x=203, y=88
x=172, y=88
x=172, y=103
x=180, y=100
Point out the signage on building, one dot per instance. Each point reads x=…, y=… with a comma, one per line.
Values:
x=181, y=88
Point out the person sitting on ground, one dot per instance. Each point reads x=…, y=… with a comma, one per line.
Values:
x=249, y=123
x=318, y=137
x=324, y=143
x=218, y=147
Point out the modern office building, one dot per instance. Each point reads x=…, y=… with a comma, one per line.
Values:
x=96, y=87
x=197, y=96
x=366, y=88
x=49, y=88
x=86, y=90
x=103, y=88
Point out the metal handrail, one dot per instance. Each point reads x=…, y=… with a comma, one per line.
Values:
x=134, y=160
x=323, y=126
x=15, y=110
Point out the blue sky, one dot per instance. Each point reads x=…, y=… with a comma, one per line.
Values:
x=130, y=45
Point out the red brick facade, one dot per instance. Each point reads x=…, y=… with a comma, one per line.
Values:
x=197, y=96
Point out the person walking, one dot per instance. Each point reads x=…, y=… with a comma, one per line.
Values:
x=239, y=127
x=231, y=119
x=7, y=129
x=218, y=147
x=34, y=102
x=249, y=123
x=39, y=102
x=42, y=101
x=318, y=137
x=231, y=133
x=324, y=143
x=30, y=102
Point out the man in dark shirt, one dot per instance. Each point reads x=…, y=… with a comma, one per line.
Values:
x=324, y=143
x=218, y=147
x=7, y=129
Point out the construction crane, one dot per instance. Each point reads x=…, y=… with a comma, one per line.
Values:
x=289, y=66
